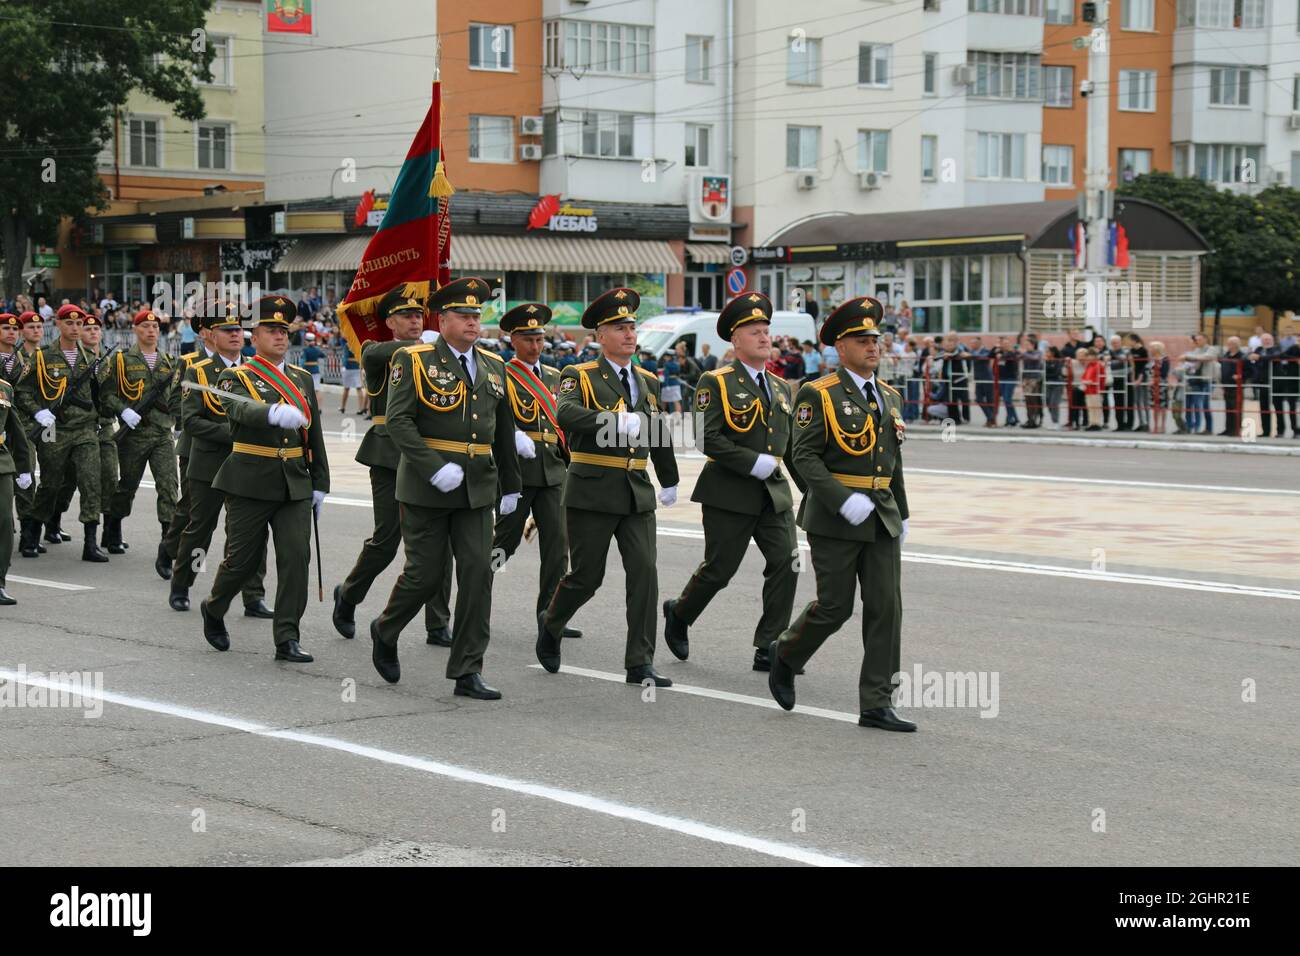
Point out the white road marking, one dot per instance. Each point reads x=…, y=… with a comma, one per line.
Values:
x=572, y=798
x=42, y=583
x=1162, y=485
x=765, y=702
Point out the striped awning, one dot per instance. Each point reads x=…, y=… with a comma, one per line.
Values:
x=474, y=253
x=336, y=253
x=709, y=253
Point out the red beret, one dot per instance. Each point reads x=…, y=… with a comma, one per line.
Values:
x=71, y=311
x=145, y=315
x=92, y=319
x=28, y=317
x=8, y=318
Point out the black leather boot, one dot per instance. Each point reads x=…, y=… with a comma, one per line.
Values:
x=113, y=535
x=90, y=550
x=54, y=532
x=163, y=562
x=28, y=538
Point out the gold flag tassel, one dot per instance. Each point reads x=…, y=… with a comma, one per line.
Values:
x=441, y=185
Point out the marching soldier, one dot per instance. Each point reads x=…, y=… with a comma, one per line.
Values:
x=30, y=329
x=92, y=337
x=277, y=476
x=15, y=461
x=532, y=389
x=205, y=428
x=404, y=316
x=57, y=395
x=848, y=433
x=448, y=416
x=181, y=513
x=138, y=391
x=742, y=490
x=607, y=494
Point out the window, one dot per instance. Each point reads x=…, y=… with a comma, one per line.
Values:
x=214, y=146
x=1295, y=93
x=491, y=139
x=1229, y=86
x=1058, y=85
x=1207, y=13
x=1138, y=15
x=873, y=64
x=697, y=145
x=221, y=63
x=930, y=70
x=1133, y=163
x=929, y=155
x=597, y=47
x=1137, y=90
x=966, y=284
x=1058, y=165
x=698, y=51
x=1024, y=8
x=491, y=47
x=804, y=62
x=802, y=146
x=1000, y=156
x=1217, y=162
x=142, y=142
x=1006, y=75
x=1060, y=11
x=1006, y=277
x=1249, y=13
x=607, y=135
x=873, y=150
x=550, y=133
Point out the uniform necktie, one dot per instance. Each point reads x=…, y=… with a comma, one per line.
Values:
x=762, y=387
x=627, y=386
x=537, y=370
x=464, y=363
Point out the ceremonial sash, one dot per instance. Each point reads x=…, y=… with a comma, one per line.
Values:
x=528, y=380
x=282, y=384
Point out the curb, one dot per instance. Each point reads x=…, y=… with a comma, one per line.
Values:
x=1227, y=448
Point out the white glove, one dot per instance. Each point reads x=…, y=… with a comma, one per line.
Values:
x=24, y=481
x=668, y=496
x=448, y=478
x=285, y=416
x=428, y=336
x=763, y=467
x=857, y=508
x=45, y=417
x=317, y=497
x=629, y=424
x=903, y=537
x=525, y=447
x=131, y=417
x=508, y=504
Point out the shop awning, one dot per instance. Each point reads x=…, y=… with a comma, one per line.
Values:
x=476, y=253
x=709, y=253
x=341, y=253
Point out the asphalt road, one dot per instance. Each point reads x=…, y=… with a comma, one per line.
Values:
x=1119, y=699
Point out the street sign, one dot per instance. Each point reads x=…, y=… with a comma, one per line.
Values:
x=739, y=256
x=46, y=260
x=736, y=281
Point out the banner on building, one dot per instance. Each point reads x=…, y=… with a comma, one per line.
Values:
x=288, y=16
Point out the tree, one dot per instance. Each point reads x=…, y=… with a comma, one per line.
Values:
x=65, y=66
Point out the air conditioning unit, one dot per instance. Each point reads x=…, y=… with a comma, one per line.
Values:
x=530, y=125
x=806, y=180
x=1293, y=121
x=530, y=151
x=1279, y=177
x=869, y=180
x=932, y=5
x=963, y=74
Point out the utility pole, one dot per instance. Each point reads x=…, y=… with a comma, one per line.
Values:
x=1096, y=205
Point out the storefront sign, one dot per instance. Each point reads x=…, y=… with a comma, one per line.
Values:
x=572, y=219
x=46, y=260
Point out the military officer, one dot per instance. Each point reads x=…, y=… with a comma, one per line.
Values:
x=181, y=513
x=848, y=433
x=141, y=375
x=19, y=363
x=742, y=490
x=532, y=389
x=15, y=467
x=57, y=395
x=205, y=428
x=404, y=315
x=448, y=416
x=603, y=409
x=277, y=476
x=92, y=337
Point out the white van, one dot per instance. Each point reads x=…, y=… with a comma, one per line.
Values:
x=697, y=327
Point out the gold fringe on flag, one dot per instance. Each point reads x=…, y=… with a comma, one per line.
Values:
x=441, y=185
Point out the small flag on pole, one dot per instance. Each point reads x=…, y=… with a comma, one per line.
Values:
x=1080, y=245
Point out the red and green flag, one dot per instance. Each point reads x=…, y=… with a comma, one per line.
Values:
x=413, y=245
x=288, y=16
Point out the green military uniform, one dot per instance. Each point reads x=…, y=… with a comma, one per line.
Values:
x=608, y=495
x=25, y=499
x=848, y=443
x=205, y=429
x=15, y=460
x=380, y=455
x=13, y=367
x=746, y=428
x=272, y=478
x=107, y=453
x=181, y=513
x=132, y=382
x=72, y=438
x=542, y=475
x=442, y=417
